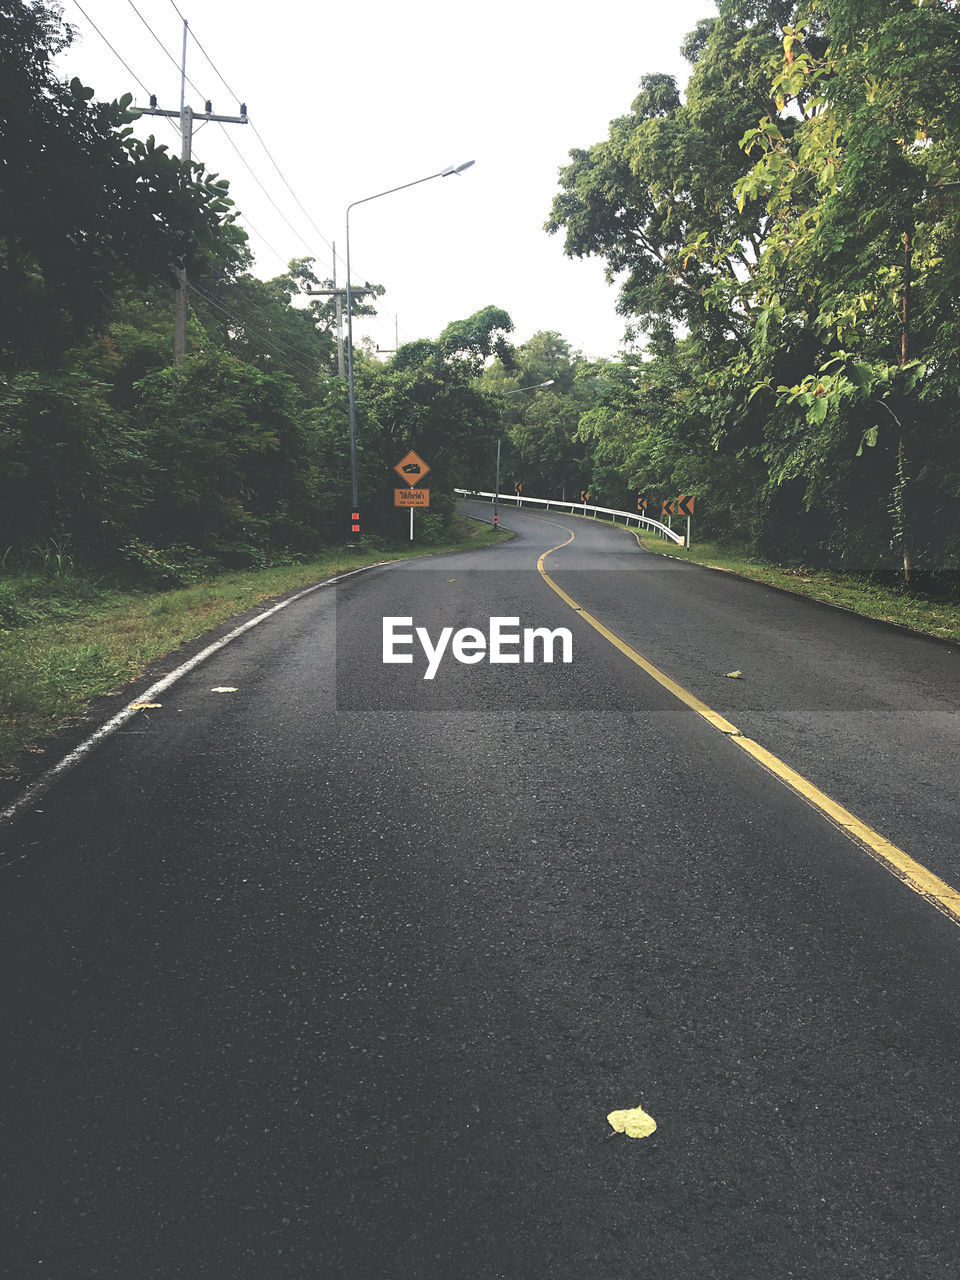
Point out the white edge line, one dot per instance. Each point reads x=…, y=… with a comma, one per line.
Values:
x=47, y=779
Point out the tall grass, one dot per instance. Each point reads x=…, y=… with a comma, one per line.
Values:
x=66, y=637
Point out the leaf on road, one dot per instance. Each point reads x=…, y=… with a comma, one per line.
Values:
x=734, y=675
x=634, y=1123
x=145, y=706
x=224, y=688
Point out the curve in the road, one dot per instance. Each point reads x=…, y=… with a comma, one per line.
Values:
x=917, y=877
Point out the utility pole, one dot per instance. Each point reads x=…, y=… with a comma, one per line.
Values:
x=186, y=117
x=339, y=294
x=392, y=351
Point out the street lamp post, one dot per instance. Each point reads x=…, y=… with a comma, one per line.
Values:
x=496, y=491
x=444, y=173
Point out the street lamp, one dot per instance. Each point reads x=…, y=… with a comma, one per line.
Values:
x=535, y=387
x=496, y=492
x=444, y=173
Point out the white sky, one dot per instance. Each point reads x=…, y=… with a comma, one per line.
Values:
x=354, y=98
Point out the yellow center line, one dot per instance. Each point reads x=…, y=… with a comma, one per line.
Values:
x=937, y=892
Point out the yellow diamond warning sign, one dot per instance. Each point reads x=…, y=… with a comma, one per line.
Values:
x=411, y=469
x=411, y=497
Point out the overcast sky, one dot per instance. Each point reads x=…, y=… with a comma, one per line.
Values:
x=351, y=99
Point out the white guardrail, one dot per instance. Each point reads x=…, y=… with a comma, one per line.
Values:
x=578, y=508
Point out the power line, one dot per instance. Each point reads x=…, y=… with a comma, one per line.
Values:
x=165, y=49
x=196, y=40
x=232, y=315
x=219, y=74
x=111, y=48
x=258, y=135
x=243, y=161
x=263, y=144
x=170, y=56
x=125, y=66
x=279, y=256
x=247, y=328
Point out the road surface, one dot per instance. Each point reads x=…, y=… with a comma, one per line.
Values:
x=339, y=974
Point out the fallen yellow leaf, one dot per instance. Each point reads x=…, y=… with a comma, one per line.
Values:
x=634, y=1123
x=145, y=706
x=734, y=675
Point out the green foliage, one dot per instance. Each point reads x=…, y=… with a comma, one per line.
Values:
x=797, y=216
x=256, y=321
x=71, y=467
x=234, y=463
x=661, y=183
x=786, y=235
x=429, y=398
x=482, y=335
x=541, y=447
x=85, y=206
x=240, y=455
x=32, y=592
x=862, y=259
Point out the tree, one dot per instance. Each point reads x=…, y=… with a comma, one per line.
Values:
x=551, y=458
x=84, y=205
x=862, y=257
x=429, y=398
x=256, y=321
x=798, y=281
x=548, y=356
x=234, y=467
x=541, y=423
x=657, y=199
x=663, y=180
x=72, y=467
x=478, y=338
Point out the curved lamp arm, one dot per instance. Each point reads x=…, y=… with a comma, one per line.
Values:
x=444, y=173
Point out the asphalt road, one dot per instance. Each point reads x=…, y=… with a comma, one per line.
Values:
x=339, y=974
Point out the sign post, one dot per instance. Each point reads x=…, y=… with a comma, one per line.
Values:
x=669, y=508
x=411, y=468
x=685, y=508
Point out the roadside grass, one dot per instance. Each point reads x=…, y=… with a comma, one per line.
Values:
x=936, y=617
x=68, y=638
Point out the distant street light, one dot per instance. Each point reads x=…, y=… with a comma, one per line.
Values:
x=536, y=385
x=496, y=491
x=444, y=173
